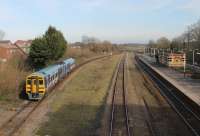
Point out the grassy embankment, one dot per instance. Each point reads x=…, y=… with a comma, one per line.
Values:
x=81, y=54
x=14, y=72
x=80, y=105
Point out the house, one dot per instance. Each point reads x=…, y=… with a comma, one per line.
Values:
x=24, y=45
x=8, y=50
x=76, y=45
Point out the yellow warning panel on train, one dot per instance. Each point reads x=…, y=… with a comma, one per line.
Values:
x=176, y=60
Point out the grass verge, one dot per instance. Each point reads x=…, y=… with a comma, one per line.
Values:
x=79, y=106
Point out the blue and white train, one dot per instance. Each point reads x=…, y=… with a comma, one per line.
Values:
x=38, y=83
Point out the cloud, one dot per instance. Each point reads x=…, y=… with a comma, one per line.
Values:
x=150, y=5
x=191, y=6
x=49, y=6
x=120, y=6
x=92, y=3
x=138, y=5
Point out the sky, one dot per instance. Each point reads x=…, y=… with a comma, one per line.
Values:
x=119, y=21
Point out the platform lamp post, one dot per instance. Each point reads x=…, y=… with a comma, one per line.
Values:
x=150, y=51
x=193, y=56
x=184, y=57
x=154, y=51
x=163, y=53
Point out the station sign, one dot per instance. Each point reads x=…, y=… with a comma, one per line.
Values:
x=176, y=60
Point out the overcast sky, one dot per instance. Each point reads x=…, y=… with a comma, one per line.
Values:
x=114, y=20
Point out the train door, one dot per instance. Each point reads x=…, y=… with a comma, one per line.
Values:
x=41, y=85
x=34, y=86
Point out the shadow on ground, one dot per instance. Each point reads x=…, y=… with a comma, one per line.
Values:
x=82, y=120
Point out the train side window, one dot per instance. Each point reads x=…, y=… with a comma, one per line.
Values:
x=46, y=81
x=41, y=82
x=28, y=82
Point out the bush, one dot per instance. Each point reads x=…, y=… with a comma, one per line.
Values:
x=80, y=54
x=12, y=77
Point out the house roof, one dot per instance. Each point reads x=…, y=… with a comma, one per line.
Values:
x=22, y=43
x=5, y=41
x=7, y=44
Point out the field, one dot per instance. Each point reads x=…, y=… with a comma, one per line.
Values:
x=79, y=107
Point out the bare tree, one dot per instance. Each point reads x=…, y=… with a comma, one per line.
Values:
x=195, y=30
x=152, y=44
x=188, y=37
x=163, y=42
x=2, y=34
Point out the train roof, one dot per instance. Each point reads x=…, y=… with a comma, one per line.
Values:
x=69, y=61
x=53, y=68
x=49, y=70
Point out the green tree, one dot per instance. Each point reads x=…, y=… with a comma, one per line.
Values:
x=48, y=48
x=56, y=43
x=39, y=54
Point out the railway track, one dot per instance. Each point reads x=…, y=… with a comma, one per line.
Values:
x=13, y=124
x=185, y=108
x=119, y=122
x=149, y=118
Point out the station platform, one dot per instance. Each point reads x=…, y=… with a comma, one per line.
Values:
x=188, y=86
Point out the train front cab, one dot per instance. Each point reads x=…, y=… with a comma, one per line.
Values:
x=35, y=87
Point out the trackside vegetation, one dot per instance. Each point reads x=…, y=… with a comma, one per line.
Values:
x=48, y=48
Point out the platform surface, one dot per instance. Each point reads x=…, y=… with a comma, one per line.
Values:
x=190, y=87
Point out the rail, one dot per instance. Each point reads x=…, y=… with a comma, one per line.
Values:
x=119, y=92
